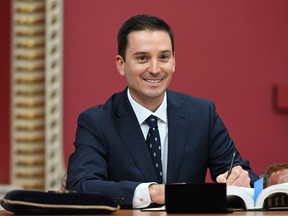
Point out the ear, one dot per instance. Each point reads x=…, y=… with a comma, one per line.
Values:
x=174, y=63
x=120, y=65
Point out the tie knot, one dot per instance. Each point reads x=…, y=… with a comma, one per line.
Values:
x=152, y=121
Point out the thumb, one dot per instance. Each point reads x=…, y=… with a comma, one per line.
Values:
x=222, y=178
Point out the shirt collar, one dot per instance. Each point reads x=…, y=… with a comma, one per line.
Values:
x=143, y=113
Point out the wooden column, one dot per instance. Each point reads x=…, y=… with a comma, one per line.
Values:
x=36, y=94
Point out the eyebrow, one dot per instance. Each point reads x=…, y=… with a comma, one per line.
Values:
x=144, y=53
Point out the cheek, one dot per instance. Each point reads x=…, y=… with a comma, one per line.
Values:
x=130, y=75
x=135, y=70
x=170, y=69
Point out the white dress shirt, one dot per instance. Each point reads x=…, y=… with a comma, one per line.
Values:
x=141, y=197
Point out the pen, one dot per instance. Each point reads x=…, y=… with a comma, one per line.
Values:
x=231, y=165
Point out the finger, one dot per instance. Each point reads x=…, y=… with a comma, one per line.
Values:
x=222, y=178
x=247, y=182
x=244, y=179
x=240, y=177
x=235, y=173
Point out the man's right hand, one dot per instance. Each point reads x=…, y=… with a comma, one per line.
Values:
x=157, y=193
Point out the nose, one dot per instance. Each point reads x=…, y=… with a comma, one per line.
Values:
x=154, y=67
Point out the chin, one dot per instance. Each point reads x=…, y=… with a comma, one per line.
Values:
x=155, y=94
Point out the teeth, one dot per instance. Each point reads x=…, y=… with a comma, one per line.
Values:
x=153, y=81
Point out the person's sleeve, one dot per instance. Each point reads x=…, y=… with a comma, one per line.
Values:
x=88, y=169
x=141, y=198
x=222, y=148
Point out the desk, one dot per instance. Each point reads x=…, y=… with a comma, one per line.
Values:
x=163, y=213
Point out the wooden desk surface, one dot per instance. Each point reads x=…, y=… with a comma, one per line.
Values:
x=163, y=213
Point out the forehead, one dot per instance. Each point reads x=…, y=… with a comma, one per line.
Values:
x=149, y=39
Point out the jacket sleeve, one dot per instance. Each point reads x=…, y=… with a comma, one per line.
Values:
x=222, y=148
x=88, y=164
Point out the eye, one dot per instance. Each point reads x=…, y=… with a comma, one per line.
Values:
x=164, y=58
x=142, y=59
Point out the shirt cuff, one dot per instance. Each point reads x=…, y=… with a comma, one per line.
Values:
x=141, y=198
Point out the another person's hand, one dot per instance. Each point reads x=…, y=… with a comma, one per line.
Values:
x=238, y=177
x=157, y=193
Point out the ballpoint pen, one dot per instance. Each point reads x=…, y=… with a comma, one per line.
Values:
x=231, y=165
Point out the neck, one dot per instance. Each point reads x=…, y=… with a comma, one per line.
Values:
x=150, y=103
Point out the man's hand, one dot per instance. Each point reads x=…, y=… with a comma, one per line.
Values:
x=157, y=193
x=238, y=177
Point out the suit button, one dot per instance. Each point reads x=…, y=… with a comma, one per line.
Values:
x=120, y=199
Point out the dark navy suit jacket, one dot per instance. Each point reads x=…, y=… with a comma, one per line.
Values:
x=111, y=155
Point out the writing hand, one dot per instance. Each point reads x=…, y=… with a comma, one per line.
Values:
x=157, y=193
x=238, y=177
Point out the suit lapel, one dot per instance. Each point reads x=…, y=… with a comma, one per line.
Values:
x=132, y=137
x=178, y=124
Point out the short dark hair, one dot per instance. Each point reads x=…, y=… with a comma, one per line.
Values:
x=139, y=23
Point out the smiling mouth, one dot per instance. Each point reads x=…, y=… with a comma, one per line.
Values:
x=153, y=80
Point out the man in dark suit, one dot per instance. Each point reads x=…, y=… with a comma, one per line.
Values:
x=111, y=155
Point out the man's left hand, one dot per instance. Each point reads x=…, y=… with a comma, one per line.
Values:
x=238, y=177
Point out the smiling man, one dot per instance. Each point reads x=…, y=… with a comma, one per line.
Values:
x=146, y=135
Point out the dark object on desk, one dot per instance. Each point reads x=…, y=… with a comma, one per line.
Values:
x=278, y=201
x=196, y=198
x=63, y=202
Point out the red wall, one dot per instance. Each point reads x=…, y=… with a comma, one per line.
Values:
x=229, y=51
x=4, y=90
